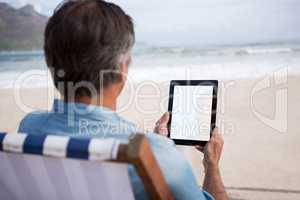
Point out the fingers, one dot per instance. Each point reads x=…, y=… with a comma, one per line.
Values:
x=200, y=148
x=216, y=138
x=216, y=134
x=162, y=130
x=216, y=131
x=161, y=126
x=164, y=119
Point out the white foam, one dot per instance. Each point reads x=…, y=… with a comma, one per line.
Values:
x=157, y=65
x=268, y=50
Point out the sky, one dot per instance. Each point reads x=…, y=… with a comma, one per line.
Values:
x=204, y=22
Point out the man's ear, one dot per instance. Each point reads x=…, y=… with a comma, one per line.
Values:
x=123, y=71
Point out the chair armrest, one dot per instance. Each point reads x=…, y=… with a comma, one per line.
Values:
x=139, y=153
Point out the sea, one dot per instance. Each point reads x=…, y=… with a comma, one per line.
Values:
x=160, y=64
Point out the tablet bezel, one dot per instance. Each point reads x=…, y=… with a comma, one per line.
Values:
x=174, y=83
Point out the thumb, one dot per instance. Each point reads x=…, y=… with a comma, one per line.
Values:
x=216, y=132
x=164, y=119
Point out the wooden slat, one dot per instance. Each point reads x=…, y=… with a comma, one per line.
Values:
x=139, y=153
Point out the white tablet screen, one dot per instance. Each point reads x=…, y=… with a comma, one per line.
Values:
x=191, y=112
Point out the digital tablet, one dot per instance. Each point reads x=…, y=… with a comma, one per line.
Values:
x=193, y=106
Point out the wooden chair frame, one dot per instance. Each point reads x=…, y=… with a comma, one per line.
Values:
x=138, y=152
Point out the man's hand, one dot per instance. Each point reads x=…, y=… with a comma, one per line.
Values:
x=161, y=126
x=212, y=151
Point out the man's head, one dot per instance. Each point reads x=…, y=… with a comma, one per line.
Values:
x=88, y=46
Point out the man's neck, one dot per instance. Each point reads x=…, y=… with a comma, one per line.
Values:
x=107, y=98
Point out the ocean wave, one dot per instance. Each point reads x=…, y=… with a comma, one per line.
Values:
x=268, y=50
x=147, y=51
x=17, y=56
x=296, y=49
x=225, y=51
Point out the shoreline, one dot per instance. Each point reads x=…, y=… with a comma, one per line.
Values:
x=46, y=81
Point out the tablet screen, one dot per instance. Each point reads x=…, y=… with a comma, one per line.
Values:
x=192, y=112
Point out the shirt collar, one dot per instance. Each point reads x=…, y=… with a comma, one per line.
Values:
x=84, y=110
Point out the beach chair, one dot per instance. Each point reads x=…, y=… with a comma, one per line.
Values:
x=64, y=168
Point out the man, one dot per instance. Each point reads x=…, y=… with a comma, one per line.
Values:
x=88, y=50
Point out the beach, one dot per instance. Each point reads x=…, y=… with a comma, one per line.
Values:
x=258, y=161
x=258, y=107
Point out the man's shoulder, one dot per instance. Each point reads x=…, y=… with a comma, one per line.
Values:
x=33, y=120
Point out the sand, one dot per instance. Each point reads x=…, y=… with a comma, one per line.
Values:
x=258, y=161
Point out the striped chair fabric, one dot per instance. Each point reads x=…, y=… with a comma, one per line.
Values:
x=61, y=168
